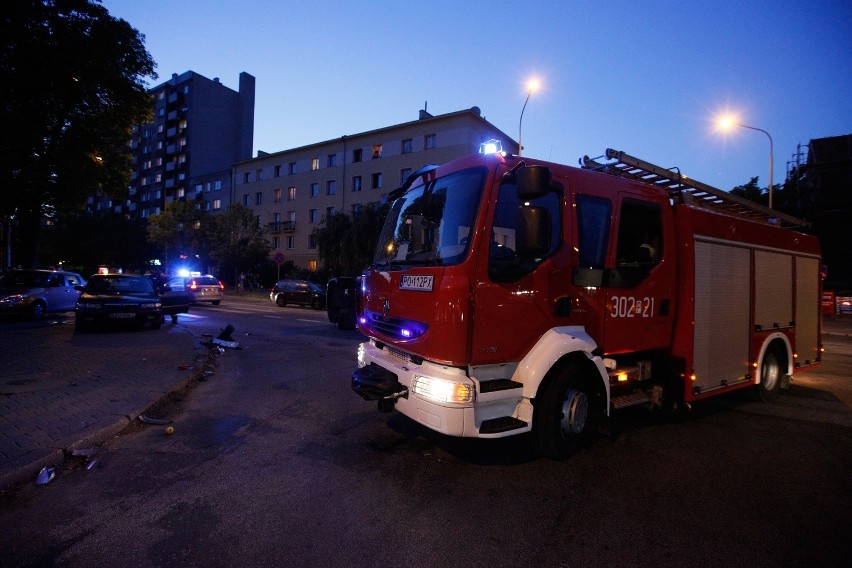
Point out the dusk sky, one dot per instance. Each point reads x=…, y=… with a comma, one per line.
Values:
x=646, y=77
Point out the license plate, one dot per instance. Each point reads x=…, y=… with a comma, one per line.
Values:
x=122, y=315
x=415, y=282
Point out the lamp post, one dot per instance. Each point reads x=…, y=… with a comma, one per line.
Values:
x=532, y=85
x=728, y=123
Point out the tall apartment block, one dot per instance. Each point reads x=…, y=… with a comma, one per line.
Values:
x=200, y=129
x=293, y=191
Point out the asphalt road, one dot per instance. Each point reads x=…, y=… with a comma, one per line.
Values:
x=275, y=462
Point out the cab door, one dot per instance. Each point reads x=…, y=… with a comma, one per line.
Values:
x=640, y=282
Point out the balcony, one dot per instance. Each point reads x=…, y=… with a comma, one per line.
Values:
x=282, y=226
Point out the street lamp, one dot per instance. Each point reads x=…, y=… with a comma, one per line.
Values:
x=727, y=123
x=532, y=85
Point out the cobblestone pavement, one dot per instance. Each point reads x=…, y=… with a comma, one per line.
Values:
x=61, y=390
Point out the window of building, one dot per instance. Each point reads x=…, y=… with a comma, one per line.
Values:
x=330, y=187
x=406, y=146
x=258, y=175
x=429, y=141
x=331, y=161
x=403, y=175
x=314, y=190
x=246, y=199
x=314, y=164
x=312, y=264
x=291, y=168
x=158, y=177
x=377, y=151
x=217, y=204
x=161, y=95
x=357, y=154
x=258, y=198
x=312, y=244
x=180, y=192
x=245, y=177
x=313, y=216
x=376, y=180
x=276, y=195
x=329, y=213
x=291, y=193
x=198, y=188
x=290, y=242
x=217, y=185
x=208, y=186
x=278, y=171
x=276, y=243
x=356, y=183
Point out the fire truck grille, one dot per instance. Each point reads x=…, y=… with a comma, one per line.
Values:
x=395, y=328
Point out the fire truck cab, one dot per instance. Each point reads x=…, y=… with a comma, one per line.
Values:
x=511, y=295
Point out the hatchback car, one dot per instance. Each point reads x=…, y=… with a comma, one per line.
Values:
x=299, y=292
x=118, y=298
x=205, y=288
x=36, y=292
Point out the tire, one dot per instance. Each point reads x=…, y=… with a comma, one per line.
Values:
x=174, y=319
x=315, y=304
x=280, y=301
x=772, y=370
x=37, y=310
x=566, y=413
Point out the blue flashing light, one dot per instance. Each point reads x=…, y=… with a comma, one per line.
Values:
x=492, y=146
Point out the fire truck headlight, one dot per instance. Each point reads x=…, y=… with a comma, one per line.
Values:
x=361, y=361
x=440, y=390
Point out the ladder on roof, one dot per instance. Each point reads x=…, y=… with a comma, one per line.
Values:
x=687, y=190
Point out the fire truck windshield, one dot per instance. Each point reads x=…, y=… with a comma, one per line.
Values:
x=431, y=224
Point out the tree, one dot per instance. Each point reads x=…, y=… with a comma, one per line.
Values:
x=183, y=229
x=71, y=85
x=346, y=245
x=751, y=192
x=237, y=239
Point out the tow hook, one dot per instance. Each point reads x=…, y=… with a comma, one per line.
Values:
x=387, y=403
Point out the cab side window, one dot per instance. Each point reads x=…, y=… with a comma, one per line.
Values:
x=639, y=235
x=593, y=222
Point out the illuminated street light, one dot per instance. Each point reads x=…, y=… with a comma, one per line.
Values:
x=726, y=123
x=532, y=85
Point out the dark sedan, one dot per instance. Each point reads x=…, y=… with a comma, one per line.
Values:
x=119, y=298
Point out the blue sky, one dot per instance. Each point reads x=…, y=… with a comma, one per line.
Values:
x=645, y=77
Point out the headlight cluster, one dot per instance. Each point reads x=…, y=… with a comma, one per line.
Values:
x=151, y=306
x=441, y=390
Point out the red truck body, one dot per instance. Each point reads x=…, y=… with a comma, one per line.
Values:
x=513, y=295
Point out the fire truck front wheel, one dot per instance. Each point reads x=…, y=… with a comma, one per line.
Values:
x=566, y=413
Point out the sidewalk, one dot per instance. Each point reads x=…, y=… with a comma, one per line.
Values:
x=85, y=390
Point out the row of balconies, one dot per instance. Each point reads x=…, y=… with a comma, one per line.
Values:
x=282, y=226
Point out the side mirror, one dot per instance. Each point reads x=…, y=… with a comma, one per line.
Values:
x=532, y=238
x=532, y=182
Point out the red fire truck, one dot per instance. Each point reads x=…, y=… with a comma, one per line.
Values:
x=511, y=295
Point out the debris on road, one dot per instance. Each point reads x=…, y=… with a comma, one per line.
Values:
x=148, y=420
x=46, y=475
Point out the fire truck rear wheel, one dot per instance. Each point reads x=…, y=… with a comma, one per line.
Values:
x=771, y=372
x=565, y=414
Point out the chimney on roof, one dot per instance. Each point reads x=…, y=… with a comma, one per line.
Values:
x=424, y=113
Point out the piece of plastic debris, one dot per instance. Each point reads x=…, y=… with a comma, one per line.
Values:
x=148, y=420
x=226, y=343
x=226, y=333
x=92, y=465
x=46, y=475
x=169, y=430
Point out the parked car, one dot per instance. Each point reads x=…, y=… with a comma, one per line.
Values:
x=205, y=288
x=118, y=298
x=36, y=292
x=299, y=292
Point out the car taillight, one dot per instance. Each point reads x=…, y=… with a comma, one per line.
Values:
x=221, y=286
x=193, y=286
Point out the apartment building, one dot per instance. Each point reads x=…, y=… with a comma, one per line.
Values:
x=293, y=191
x=200, y=129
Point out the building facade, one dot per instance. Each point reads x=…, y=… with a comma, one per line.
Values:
x=200, y=129
x=292, y=192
